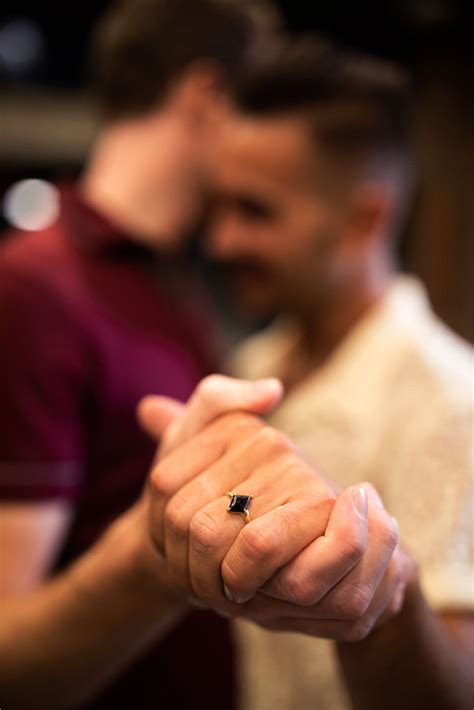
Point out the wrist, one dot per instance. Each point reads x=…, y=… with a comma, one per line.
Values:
x=124, y=567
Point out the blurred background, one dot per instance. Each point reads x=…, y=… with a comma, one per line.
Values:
x=47, y=120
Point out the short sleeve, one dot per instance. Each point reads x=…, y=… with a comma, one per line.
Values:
x=42, y=388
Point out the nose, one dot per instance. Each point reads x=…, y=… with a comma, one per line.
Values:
x=226, y=237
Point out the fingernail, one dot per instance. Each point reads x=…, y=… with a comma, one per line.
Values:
x=270, y=383
x=229, y=594
x=399, y=598
x=394, y=522
x=235, y=597
x=378, y=502
x=359, y=500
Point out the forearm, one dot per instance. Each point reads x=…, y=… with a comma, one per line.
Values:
x=62, y=643
x=412, y=662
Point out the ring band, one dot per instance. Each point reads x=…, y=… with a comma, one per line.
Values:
x=239, y=504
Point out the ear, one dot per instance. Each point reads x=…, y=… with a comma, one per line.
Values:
x=201, y=91
x=370, y=214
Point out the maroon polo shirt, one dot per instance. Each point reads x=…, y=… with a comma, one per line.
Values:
x=90, y=321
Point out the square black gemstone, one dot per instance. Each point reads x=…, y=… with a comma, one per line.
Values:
x=239, y=504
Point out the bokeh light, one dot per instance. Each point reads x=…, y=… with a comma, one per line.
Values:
x=31, y=204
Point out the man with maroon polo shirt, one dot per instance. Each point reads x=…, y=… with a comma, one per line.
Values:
x=98, y=310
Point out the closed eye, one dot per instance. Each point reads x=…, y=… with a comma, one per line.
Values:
x=252, y=208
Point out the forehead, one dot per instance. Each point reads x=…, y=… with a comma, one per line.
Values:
x=275, y=153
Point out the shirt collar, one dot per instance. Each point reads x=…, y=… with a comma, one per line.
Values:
x=91, y=231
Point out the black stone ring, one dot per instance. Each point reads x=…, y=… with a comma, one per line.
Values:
x=239, y=504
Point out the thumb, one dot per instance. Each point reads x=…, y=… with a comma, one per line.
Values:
x=155, y=413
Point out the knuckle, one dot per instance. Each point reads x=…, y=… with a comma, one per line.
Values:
x=301, y=475
x=274, y=440
x=234, y=427
x=353, y=548
x=353, y=603
x=388, y=534
x=204, y=533
x=242, y=421
x=176, y=520
x=210, y=387
x=298, y=589
x=160, y=482
x=394, y=569
x=258, y=542
x=394, y=607
x=358, y=630
x=399, y=599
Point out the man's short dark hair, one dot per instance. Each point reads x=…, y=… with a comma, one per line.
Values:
x=142, y=46
x=357, y=107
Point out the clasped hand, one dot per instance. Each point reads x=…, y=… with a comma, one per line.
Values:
x=311, y=559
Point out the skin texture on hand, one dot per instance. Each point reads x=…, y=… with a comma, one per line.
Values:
x=175, y=423
x=308, y=561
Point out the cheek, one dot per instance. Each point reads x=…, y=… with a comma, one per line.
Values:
x=297, y=246
x=310, y=233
